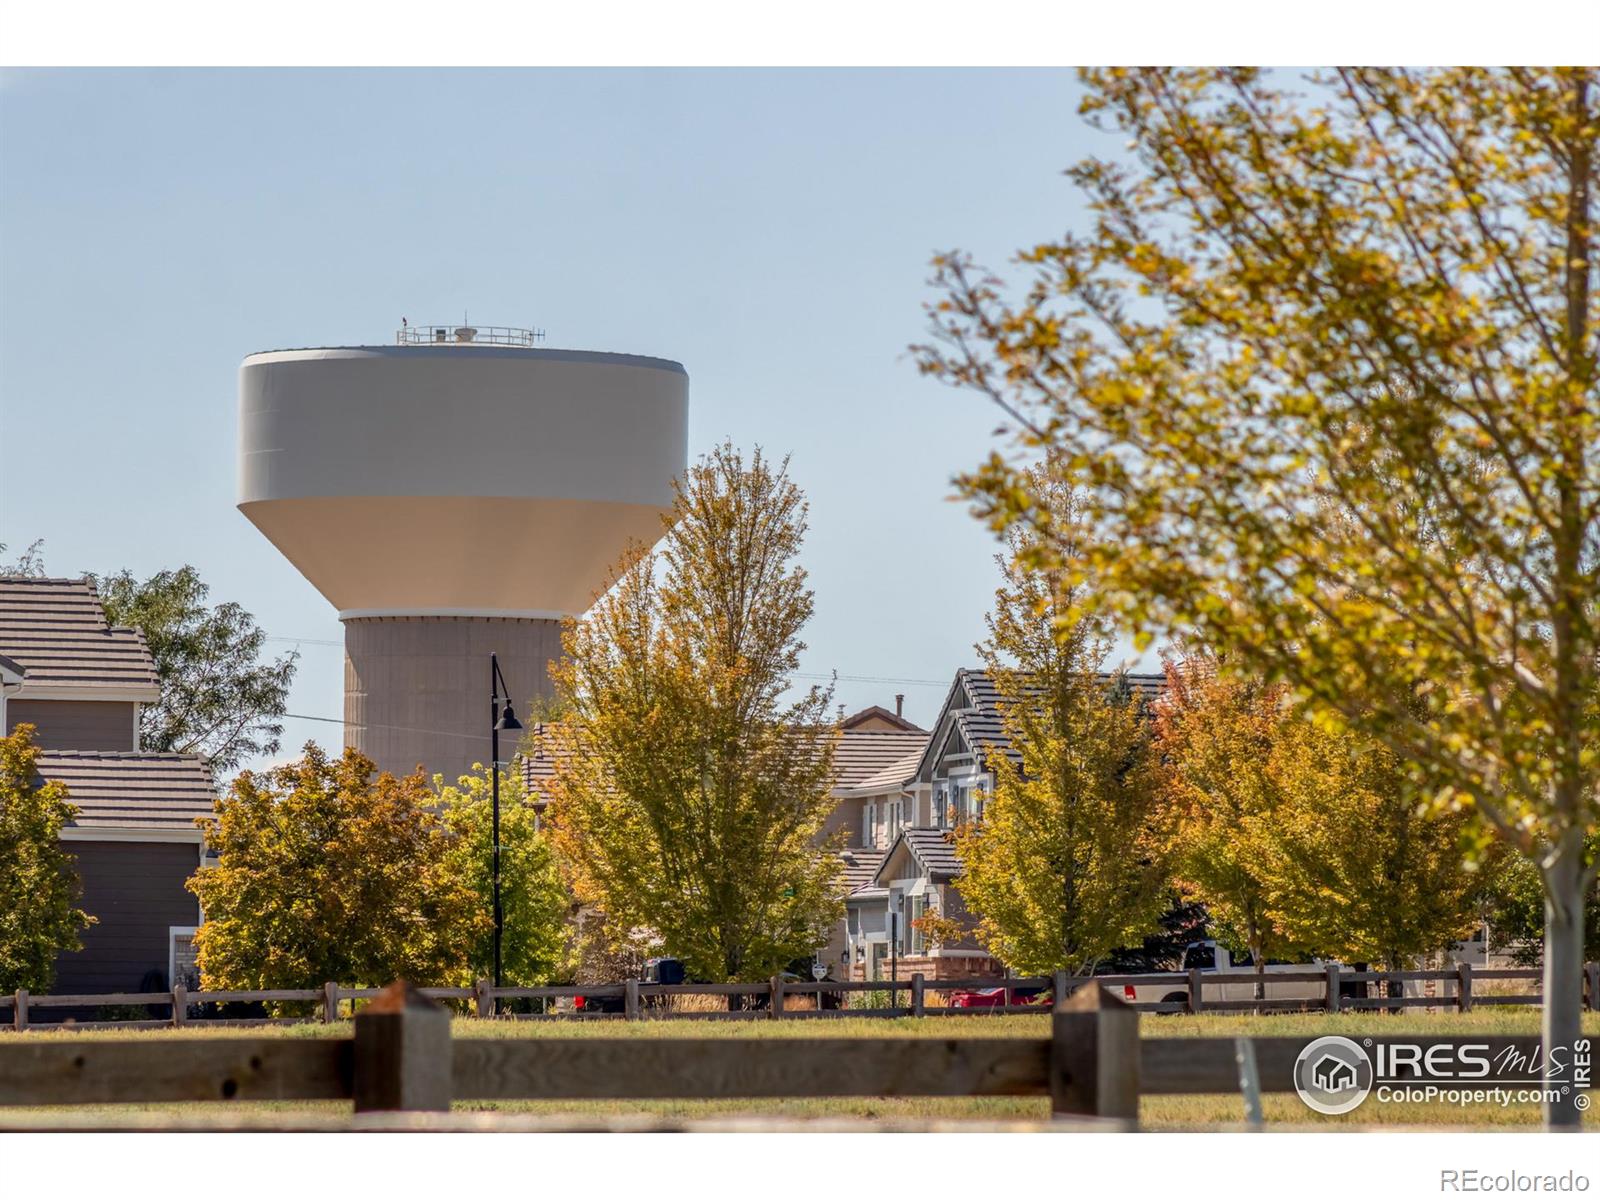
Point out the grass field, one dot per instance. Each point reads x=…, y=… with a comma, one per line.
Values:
x=1156, y=1112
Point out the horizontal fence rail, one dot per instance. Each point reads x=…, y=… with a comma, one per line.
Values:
x=1329, y=989
x=403, y=1057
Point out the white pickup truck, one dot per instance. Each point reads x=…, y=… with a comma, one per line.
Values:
x=1231, y=978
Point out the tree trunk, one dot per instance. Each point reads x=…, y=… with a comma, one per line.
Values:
x=1564, y=887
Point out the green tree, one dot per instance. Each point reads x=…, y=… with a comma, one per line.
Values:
x=1067, y=862
x=690, y=793
x=1514, y=911
x=326, y=872
x=1325, y=361
x=219, y=697
x=1354, y=863
x=533, y=898
x=39, y=888
x=1214, y=739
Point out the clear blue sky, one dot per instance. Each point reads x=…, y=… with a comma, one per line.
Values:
x=770, y=230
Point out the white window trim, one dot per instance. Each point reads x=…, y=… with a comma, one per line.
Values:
x=174, y=932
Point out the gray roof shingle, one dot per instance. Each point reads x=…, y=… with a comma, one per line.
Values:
x=981, y=724
x=863, y=756
x=935, y=851
x=56, y=629
x=860, y=865
x=132, y=789
x=868, y=756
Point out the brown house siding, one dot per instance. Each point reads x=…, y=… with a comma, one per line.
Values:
x=75, y=724
x=135, y=889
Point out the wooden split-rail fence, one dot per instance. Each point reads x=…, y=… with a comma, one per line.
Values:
x=1329, y=989
x=402, y=1058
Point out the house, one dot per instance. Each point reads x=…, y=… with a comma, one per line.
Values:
x=916, y=863
x=870, y=766
x=81, y=682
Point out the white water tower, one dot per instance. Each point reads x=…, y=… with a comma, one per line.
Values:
x=454, y=494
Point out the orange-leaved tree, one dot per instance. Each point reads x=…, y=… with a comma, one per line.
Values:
x=328, y=871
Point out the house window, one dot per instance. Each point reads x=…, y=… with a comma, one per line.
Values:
x=869, y=825
x=941, y=812
x=919, y=909
x=958, y=801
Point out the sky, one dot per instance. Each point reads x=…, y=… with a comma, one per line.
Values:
x=769, y=229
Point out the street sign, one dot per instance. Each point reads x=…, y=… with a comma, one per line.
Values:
x=818, y=971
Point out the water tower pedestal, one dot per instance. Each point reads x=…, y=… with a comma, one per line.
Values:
x=416, y=689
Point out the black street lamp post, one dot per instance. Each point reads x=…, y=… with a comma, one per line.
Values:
x=499, y=718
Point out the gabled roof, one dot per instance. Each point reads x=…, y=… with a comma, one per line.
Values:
x=11, y=668
x=932, y=850
x=56, y=629
x=863, y=756
x=877, y=712
x=972, y=710
x=132, y=789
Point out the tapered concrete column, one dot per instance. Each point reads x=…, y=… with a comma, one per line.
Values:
x=416, y=689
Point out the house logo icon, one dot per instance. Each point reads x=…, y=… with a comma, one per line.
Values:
x=1333, y=1075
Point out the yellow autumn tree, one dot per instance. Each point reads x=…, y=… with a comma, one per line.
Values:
x=1068, y=859
x=692, y=783
x=1215, y=736
x=1324, y=356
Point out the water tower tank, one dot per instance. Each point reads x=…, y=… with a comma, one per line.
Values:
x=451, y=498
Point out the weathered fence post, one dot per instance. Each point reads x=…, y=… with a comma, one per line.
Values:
x=19, y=1014
x=630, y=1000
x=1331, y=1004
x=402, y=1053
x=777, y=997
x=1464, y=987
x=180, y=1004
x=330, y=1003
x=1197, y=983
x=483, y=997
x=1094, y=1056
x=1058, y=989
x=918, y=1002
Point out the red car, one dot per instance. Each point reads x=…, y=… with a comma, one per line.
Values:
x=996, y=997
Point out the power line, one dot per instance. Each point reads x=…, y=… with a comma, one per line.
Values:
x=477, y=737
x=823, y=676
